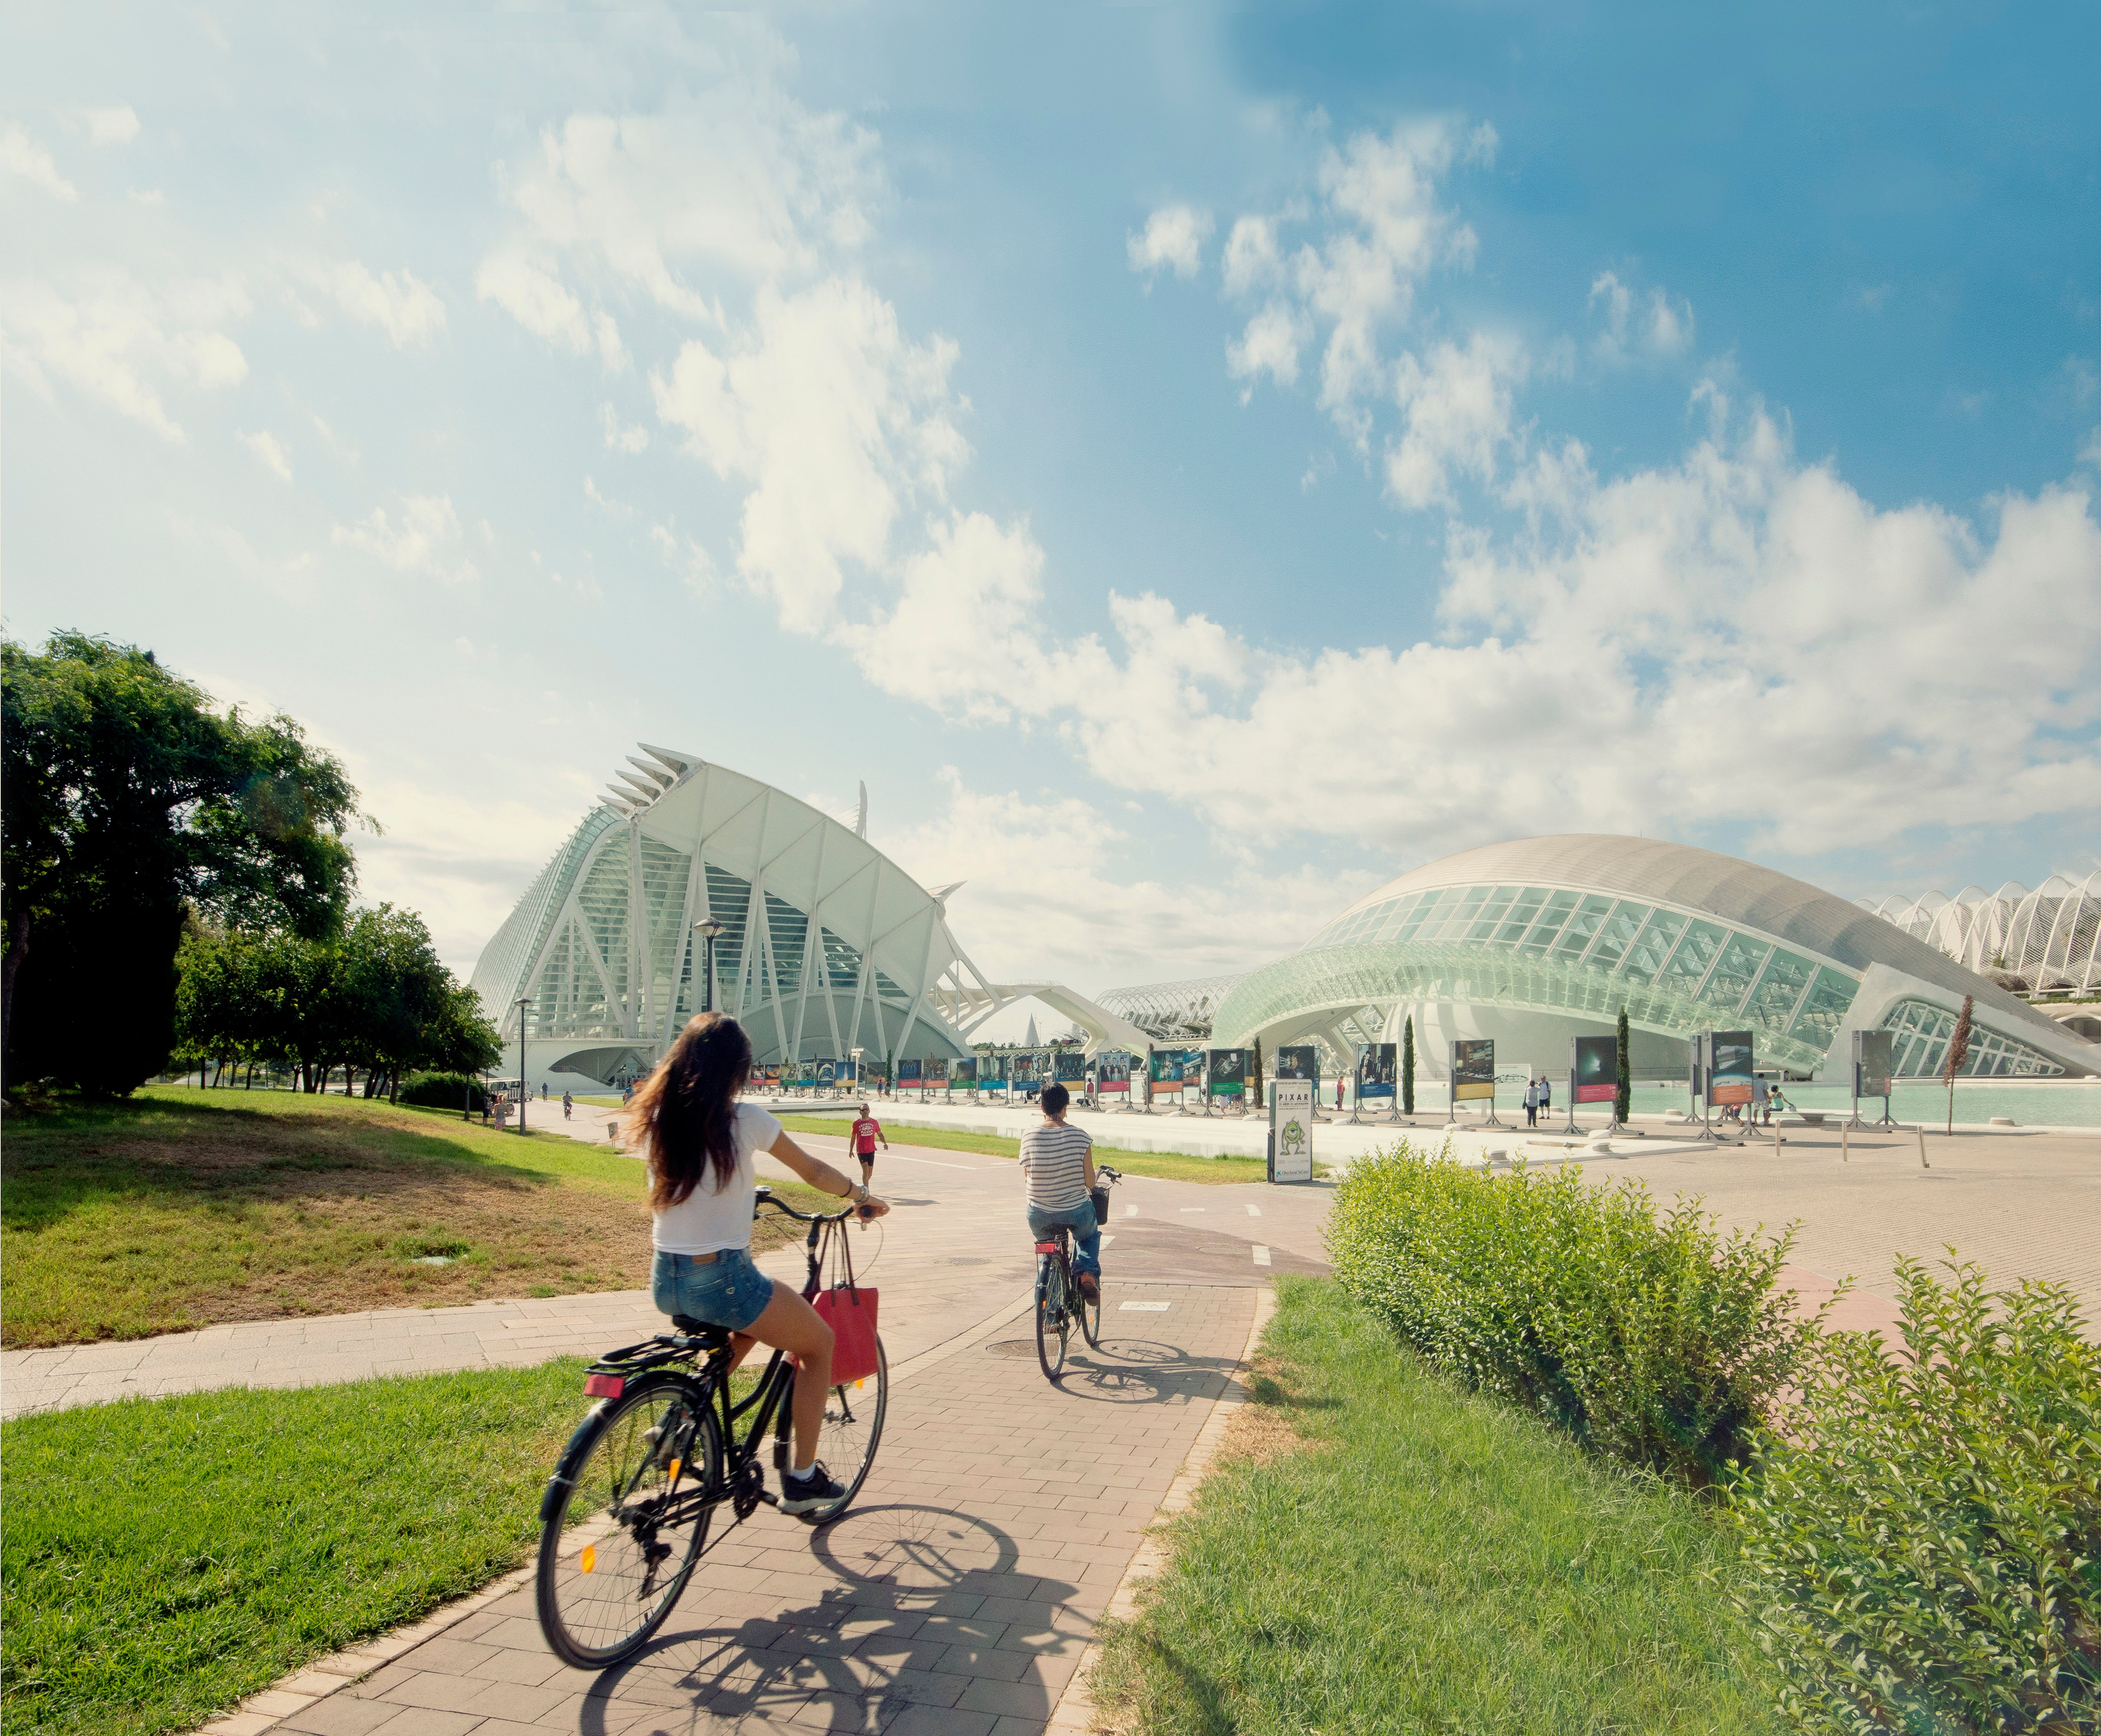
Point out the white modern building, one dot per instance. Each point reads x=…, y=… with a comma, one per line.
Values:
x=1537, y=940
x=823, y=947
x=2046, y=942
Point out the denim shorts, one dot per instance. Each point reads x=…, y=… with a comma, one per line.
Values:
x=728, y=1291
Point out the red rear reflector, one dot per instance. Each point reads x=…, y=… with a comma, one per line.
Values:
x=1046, y=1248
x=604, y=1385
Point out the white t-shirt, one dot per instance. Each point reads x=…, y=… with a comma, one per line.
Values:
x=705, y=1221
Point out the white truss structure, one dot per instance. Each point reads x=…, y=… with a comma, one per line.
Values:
x=1171, y=1010
x=2050, y=939
x=828, y=945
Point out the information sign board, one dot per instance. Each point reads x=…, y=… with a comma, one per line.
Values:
x=1291, y=1130
x=965, y=1072
x=1112, y=1074
x=1166, y=1071
x=1299, y=1063
x=909, y=1072
x=1872, y=1053
x=1378, y=1071
x=1227, y=1070
x=1069, y=1066
x=936, y=1070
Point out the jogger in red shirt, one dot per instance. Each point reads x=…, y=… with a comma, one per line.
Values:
x=866, y=1131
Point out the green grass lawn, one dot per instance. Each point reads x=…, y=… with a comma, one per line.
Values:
x=1378, y=1552
x=177, y=1208
x=164, y=1558
x=1169, y=1166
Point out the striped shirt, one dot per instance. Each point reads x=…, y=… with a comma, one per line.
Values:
x=1054, y=1159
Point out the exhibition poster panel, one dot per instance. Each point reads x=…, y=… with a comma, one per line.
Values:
x=1379, y=1070
x=1228, y=1071
x=1298, y=1063
x=1874, y=1051
x=1596, y=1065
x=1729, y=1072
x=1112, y=1074
x=1473, y=1068
x=1070, y=1066
x=908, y=1072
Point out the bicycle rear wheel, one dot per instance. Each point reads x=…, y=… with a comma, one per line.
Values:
x=649, y=1466
x=853, y=1428
x=1054, y=1316
x=1091, y=1315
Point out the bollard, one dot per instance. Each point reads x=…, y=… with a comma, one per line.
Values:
x=1923, y=1163
x=1845, y=1143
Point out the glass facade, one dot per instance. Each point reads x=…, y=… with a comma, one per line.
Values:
x=1557, y=949
x=1924, y=1030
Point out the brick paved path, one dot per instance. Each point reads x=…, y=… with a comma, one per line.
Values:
x=954, y=1601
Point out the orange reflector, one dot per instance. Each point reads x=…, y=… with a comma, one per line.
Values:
x=674, y=1477
x=859, y=1384
x=589, y=1559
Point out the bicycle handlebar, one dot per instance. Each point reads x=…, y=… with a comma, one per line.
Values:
x=764, y=1196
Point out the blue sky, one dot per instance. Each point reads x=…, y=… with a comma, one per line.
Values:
x=1193, y=464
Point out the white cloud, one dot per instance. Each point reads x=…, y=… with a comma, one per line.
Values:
x=1252, y=262
x=1270, y=345
x=686, y=558
x=741, y=178
x=1653, y=325
x=422, y=536
x=146, y=195
x=1174, y=240
x=1456, y=409
x=623, y=437
x=1043, y=897
x=398, y=303
x=268, y=453
x=20, y=155
x=619, y=509
x=117, y=125
x=835, y=418
x=1380, y=229
x=113, y=337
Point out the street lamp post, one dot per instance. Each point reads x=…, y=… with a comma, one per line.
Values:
x=709, y=930
x=524, y=1002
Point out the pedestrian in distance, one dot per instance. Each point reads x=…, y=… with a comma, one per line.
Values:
x=1545, y=1095
x=568, y=1102
x=866, y=1131
x=1531, y=1102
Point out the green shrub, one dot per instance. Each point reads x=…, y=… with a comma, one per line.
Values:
x=1658, y=1341
x=442, y=1091
x=1924, y=1544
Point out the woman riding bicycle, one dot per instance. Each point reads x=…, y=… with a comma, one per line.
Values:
x=698, y=1142
x=1057, y=1163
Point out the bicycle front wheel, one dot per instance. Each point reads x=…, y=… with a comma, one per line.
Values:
x=1054, y=1316
x=853, y=1428
x=649, y=1467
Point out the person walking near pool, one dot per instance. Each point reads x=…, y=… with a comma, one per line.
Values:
x=1058, y=1166
x=866, y=1131
x=1531, y=1102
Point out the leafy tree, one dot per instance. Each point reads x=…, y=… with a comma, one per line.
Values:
x=128, y=802
x=1959, y=1052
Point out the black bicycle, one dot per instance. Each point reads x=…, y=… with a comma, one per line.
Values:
x=661, y=1451
x=1059, y=1300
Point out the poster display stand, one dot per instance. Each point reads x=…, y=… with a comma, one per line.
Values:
x=1593, y=1076
x=1873, y=1053
x=1291, y=1130
x=1473, y=1077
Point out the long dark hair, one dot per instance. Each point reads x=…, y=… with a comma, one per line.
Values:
x=684, y=1114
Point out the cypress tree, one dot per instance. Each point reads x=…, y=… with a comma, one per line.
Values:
x=1408, y=1068
x=1623, y=1087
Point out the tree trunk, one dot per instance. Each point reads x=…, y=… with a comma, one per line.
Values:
x=18, y=948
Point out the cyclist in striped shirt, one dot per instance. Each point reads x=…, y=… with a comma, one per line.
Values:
x=1057, y=1163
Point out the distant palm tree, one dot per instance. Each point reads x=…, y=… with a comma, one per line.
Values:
x=1959, y=1052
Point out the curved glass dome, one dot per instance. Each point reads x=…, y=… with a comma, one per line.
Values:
x=1685, y=939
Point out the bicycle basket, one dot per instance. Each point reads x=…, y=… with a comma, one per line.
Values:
x=1100, y=1196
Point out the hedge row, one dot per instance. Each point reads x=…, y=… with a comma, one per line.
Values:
x=1923, y=1543
x=1653, y=1339
x=1919, y=1530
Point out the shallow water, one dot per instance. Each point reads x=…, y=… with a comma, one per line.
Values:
x=2031, y=1103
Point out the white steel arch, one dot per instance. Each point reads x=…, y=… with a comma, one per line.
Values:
x=828, y=945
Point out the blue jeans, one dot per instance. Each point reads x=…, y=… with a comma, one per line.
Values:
x=1086, y=1232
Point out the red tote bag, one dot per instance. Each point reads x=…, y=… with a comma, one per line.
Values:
x=850, y=1311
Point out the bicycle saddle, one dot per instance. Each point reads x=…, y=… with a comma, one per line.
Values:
x=699, y=1329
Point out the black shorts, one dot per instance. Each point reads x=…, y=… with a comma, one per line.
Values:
x=864, y=1157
